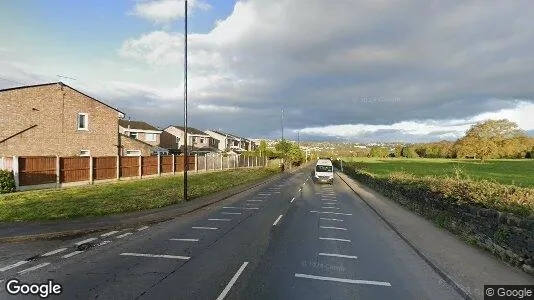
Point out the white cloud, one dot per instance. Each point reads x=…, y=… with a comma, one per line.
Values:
x=165, y=11
x=435, y=129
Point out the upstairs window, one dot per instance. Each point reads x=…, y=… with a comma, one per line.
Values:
x=150, y=137
x=134, y=135
x=85, y=153
x=83, y=121
x=202, y=140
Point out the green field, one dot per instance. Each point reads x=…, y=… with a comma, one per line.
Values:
x=516, y=172
x=113, y=198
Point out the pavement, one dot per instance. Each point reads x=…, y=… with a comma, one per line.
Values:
x=288, y=239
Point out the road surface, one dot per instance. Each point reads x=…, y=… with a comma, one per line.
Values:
x=291, y=239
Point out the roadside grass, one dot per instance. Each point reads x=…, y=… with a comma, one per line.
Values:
x=506, y=171
x=124, y=196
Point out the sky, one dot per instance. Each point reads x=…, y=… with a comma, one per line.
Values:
x=362, y=71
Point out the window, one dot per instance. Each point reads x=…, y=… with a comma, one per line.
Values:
x=85, y=153
x=202, y=140
x=323, y=168
x=150, y=137
x=133, y=152
x=177, y=140
x=134, y=134
x=83, y=121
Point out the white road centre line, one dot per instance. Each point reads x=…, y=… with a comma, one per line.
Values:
x=219, y=219
x=334, y=239
x=230, y=213
x=54, y=252
x=109, y=233
x=369, y=282
x=85, y=241
x=329, y=219
x=185, y=240
x=235, y=207
x=34, y=268
x=124, y=235
x=254, y=200
x=331, y=227
x=277, y=220
x=264, y=194
x=329, y=207
x=338, y=255
x=72, y=254
x=232, y=281
x=204, y=228
x=20, y=263
x=142, y=228
x=155, y=255
x=292, y=199
x=330, y=212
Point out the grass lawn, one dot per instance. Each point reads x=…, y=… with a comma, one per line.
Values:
x=119, y=197
x=517, y=172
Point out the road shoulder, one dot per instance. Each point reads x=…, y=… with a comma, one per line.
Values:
x=464, y=266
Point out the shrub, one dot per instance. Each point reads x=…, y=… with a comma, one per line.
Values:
x=7, y=182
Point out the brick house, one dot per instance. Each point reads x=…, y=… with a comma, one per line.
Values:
x=56, y=119
x=140, y=138
x=172, y=138
x=231, y=142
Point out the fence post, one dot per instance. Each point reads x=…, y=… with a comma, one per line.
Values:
x=256, y=159
x=15, y=167
x=248, y=161
x=2, y=163
x=221, y=162
x=91, y=170
x=173, y=164
x=57, y=171
x=205, y=163
x=118, y=167
x=228, y=163
x=140, y=160
x=196, y=162
x=159, y=164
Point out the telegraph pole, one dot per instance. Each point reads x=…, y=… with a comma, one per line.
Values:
x=186, y=157
x=282, y=123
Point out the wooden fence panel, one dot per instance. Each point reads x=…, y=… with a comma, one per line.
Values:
x=201, y=162
x=6, y=163
x=129, y=166
x=73, y=169
x=37, y=170
x=191, y=162
x=225, y=162
x=104, y=167
x=179, y=163
x=166, y=163
x=149, y=165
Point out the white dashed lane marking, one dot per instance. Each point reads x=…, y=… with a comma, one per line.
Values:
x=230, y=213
x=277, y=220
x=17, y=264
x=109, y=233
x=204, y=228
x=142, y=228
x=54, y=252
x=34, y=268
x=219, y=219
x=330, y=212
x=85, y=241
x=124, y=235
x=185, y=240
x=354, y=281
x=72, y=254
x=232, y=281
x=334, y=239
x=329, y=219
x=293, y=199
x=155, y=255
x=331, y=227
x=338, y=255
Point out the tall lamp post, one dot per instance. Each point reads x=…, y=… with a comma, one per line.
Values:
x=186, y=158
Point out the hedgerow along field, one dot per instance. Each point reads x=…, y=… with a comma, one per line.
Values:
x=519, y=172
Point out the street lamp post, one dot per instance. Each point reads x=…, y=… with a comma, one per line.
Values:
x=186, y=157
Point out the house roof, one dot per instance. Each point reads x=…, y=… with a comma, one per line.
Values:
x=227, y=134
x=191, y=130
x=137, y=125
x=60, y=83
x=139, y=141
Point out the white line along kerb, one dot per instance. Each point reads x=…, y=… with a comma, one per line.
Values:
x=293, y=199
x=109, y=233
x=34, y=268
x=381, y=283
x=20, y=263
x=277, y=220
x=142, y=228
x=338, y=255
x=232, y=281
x=85, y=241
x=54, y=252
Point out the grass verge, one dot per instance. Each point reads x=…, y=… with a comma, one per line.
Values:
x=125, y=196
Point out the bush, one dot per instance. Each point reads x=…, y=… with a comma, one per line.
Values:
x=7, y=182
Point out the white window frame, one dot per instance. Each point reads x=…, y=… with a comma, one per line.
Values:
x=152, y=135
x=87, y=153
x=202, y=140
x=132, y=150
x=134, y=133
x=177, y=140
x=86, y=117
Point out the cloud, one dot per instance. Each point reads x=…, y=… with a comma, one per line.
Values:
x=165, y=11
x=426, y=129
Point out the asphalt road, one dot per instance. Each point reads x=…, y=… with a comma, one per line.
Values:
x=290, y=240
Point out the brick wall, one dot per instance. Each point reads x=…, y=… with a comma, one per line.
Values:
x=54, y=109
x=128, y=143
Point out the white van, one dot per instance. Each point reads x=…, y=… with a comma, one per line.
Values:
x=324, y=171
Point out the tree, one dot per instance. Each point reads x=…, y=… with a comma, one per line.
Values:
x=409, y=152
x=491, y=139
x=379, y=152
x=398, y=151
x=263, y=148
